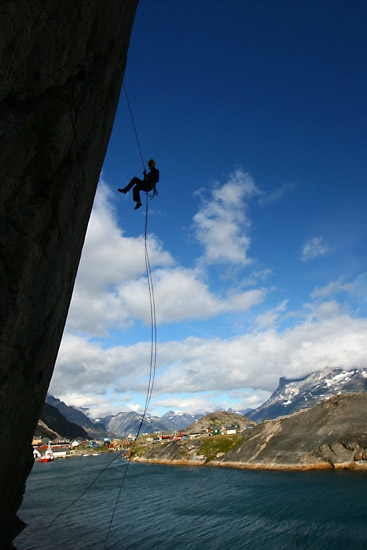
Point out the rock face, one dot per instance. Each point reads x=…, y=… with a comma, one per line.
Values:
x=71, y=414
x=331, y=434
x=61, y=66
x=219, y=418
x=57, y=422
x=302, y=393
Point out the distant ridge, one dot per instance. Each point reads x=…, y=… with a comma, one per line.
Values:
x=123, y=423
x=76, y=416
x=303, y=393
x=290, y=396
x=54, y=424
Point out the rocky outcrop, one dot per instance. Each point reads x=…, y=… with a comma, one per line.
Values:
x=331, y=434
x=219, y=419
x=176, y=453
x=61, y=66
x=45, y=432
x=198, y=445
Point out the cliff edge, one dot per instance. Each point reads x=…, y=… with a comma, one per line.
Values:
x=61, y=65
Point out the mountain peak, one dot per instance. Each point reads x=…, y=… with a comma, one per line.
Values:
x=302, y=393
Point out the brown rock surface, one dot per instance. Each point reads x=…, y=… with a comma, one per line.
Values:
x=329, y=435
x=61, y=66
x=332, y=434
x=219, y=418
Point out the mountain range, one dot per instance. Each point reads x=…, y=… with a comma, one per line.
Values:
x=289, y=397
x=123, y=423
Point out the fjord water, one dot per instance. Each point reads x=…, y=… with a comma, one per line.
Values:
x=190, y=508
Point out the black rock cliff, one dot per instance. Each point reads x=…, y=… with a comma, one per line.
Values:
x=61, y=65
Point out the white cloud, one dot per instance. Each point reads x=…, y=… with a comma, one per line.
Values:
x=197, y=365
x=111, y=290
x=313, y=248
x=221, y=225
x=277, y=195
x=110, y=263
x=327, y=310
x=332, y=288
x=270, y=317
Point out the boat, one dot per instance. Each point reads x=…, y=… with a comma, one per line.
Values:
x=48, y=456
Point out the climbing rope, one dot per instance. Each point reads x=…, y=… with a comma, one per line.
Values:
x=152, y=365
x=133, y=123
x=153, y=346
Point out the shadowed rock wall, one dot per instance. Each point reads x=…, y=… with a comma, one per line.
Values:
x=61, y=68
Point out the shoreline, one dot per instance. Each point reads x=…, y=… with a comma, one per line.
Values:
x=354, y=465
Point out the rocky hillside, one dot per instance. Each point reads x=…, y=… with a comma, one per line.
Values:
x=219, y=418
x=331, y=434
x=44, y=431
x=302, y=393
x=76, y=416
x=56, y=422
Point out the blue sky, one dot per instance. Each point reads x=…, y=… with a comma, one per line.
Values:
x=256, y=115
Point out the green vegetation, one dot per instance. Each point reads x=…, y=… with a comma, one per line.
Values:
x=219, y=444
x=184, y=449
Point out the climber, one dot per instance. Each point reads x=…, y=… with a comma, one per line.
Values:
x=147, y=184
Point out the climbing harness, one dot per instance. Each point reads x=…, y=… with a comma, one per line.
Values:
x=152, y=365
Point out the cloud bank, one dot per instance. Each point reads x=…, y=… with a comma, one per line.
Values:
x=218, y=346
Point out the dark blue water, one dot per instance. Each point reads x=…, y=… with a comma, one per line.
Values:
x=202, y=508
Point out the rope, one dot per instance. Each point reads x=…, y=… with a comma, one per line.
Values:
x=152, y=367
x=153, y=347
x=132, y=120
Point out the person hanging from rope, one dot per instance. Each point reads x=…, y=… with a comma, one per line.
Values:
x=147, y=184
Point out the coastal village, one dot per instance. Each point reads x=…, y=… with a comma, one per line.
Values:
x=330, y=435
x=319, y=422
x=46, y=450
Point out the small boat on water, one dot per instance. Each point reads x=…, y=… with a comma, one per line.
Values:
x=48, y=456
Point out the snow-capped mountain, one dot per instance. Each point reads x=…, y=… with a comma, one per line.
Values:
x=302, y=393
x=123, y=423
